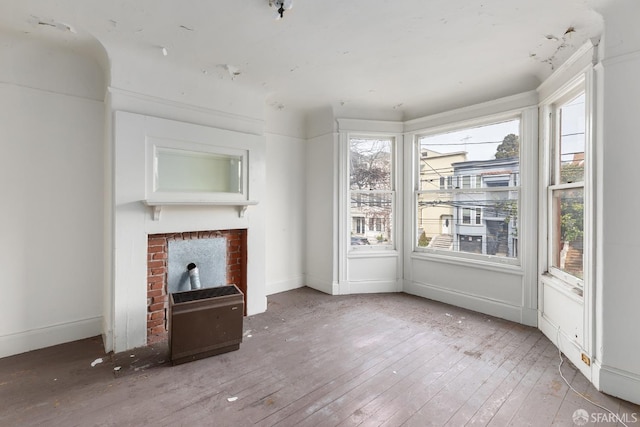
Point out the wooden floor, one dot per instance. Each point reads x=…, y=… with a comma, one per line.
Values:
x=314, y=359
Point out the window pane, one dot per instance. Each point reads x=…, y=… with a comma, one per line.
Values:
x=568, y=230
x=572, y=140
x=370, y=164
x=457, y=153
x=477, y=217
x=483, y=222
x=371, y=218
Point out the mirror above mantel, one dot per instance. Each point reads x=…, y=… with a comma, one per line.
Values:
x=182, y=173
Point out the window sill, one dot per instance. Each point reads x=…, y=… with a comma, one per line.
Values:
x=372, y=253
x=574, y=292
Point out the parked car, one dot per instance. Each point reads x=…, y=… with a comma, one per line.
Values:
x=356, y=240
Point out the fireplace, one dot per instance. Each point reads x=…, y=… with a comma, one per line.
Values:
x=158, y=269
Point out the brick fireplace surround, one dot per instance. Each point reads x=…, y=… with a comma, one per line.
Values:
x=157, y=298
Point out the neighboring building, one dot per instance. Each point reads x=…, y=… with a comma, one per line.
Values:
x=485, y=222
x=436, y=172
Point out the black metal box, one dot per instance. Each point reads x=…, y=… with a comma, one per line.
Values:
x=205, y=322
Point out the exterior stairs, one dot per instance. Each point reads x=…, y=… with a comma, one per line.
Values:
x=441, y=241
x=573, y=262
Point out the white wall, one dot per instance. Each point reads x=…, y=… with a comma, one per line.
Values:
x=619, y=292
x=285, y=199
x=321, y=201
x=51, y=181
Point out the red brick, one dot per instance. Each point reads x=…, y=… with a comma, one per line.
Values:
x=155, y=249
x=153, y=323
x=156, y=264
x=155, y=279
x=151, y=313
x=159, y=298
x=155, y=286
x=156, y=307
x=157, y=241
x=157, y=315
x=158, y=330
x=154, y=293
x=159, y=255
x=158, y=270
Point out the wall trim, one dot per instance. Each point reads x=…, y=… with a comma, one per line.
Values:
x=364, y=126
x=584, y=57
x=617, y=382
x=48, y=336
x=459, y=117
x=471, y=302
x=326, y=286
x=625, y=57
x=285, y=285
x=52, y=92
x=247, y=124
x=370, y=287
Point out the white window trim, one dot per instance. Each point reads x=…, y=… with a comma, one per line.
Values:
x=349, y=128
x=528, y=116
x=550, y=167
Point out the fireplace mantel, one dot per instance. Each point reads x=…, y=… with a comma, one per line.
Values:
x=157, y=205
x=234, y=179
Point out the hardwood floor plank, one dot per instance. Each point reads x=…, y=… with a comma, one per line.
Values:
x=488, y=383
x=313, y=360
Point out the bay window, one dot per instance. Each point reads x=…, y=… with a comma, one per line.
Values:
x=467, y=191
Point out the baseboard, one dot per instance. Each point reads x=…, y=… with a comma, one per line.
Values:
x=48, y=336
x=285, y=285
x=107, y=337
x=470, y=302
x=321, y=285
x=568, y=346
x=370, y=287
x=618, y=383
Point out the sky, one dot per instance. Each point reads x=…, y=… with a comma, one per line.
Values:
x=480, y=143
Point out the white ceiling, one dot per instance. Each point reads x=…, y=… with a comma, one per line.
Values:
x=415, y=56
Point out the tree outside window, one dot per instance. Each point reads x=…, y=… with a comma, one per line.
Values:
x=371, y=183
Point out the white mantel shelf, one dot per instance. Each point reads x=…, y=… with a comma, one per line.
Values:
x=157, y=205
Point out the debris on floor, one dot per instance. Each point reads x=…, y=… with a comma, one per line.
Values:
x=97, y=361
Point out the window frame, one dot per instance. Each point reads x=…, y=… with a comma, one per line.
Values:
x=393, y=192
x=528, y=126
x=553, y=182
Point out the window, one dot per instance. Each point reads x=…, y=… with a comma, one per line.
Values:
x=372, y=192
x=566, y=188
x=471, y=176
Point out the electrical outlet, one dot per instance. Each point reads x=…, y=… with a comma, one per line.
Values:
x=586, y=359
